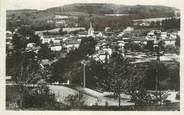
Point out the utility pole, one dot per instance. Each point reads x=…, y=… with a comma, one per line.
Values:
x=157, y=75
x=84, y=72
x=157, y=48
x=119, y=95
x=84, y=68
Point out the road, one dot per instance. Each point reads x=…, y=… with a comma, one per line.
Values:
x=90, y=96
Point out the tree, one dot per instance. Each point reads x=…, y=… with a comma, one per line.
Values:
x=172, y=23
x=97, y=76
x=69, y=68
x=177, y=43
x=19, y=42
x=38, y=97
x=149, y=45
x=118, y=69
x=44, y=52
x=23, y=36
x=26, y=31
x=35, y=39
x=23, y=65
x=75, y=100
x=87, y=46
x=133, y=46
x=62, y=32
x=124, y=77
x=162, y=76
x=150, y=81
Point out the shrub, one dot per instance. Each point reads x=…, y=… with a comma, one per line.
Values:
x=75, y=100
x=38, y=97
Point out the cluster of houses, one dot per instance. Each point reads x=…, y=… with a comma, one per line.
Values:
x=108, y=41
x=148, y=21
x=168, y=38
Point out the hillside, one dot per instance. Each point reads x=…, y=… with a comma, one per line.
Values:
x=102, y=9
x=113, y=8
x=39, y=17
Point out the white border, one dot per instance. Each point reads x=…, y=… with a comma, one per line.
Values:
x=2, y=75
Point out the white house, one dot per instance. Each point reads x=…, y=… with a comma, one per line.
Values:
x=163, y=35
x=72, y=44
x=56, y=48
x=170, y=42
x=128, y=29
x=121, y=34
x=99, y=34
x=61, y=17
x=9, y=35
x=100, y=57
x=30, y=45
x=46, y=39
x=108, y=50
x=82, y=34
x=68, y=30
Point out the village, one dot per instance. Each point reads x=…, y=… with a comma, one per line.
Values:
x=107, y=40
x=86, y=68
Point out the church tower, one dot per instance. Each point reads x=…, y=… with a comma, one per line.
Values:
x=91, y=31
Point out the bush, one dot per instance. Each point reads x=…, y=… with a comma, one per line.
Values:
x=75, y=100
x=178, y=96
x=38, y=97
x=171, y=49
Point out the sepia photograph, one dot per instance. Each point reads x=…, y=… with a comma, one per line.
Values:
x=92, y=55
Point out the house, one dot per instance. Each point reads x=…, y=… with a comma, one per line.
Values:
x=9, y=34
x=72, y=44
x=147, y=21
x=101, y=56
x=60, y=23
x=52, y=39
x=68, y=30
x=56, y=48
x=107, y=50
x=169, y=42
x=60, y=20
x=128, y=29
x=144, y=24
x=47, y=39
x=164, y=35
x=30, y=45
x=151, y=33
x=45, y=32
x=121, y=43
x=152, y=38
x=107, y=29
x=99, y=34
x=121, y=34
x=59, y=17
x=9, y=38
x=82, y=34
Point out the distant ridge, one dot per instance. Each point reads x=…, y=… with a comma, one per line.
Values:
x=37, y=17
x=102, y=8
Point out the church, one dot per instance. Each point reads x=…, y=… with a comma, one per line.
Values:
x=91, y=31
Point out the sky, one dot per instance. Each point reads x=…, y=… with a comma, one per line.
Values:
x=44, y=4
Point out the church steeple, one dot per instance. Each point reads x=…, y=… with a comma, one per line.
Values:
x=91, y=30
x=91, y=25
